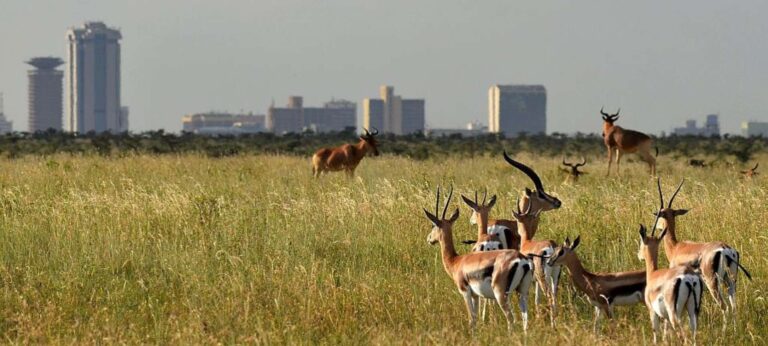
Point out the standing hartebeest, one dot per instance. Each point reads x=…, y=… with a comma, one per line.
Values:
x=626, y=141
x=345, y=157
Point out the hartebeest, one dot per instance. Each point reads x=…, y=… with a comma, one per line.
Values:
x=547, y=276
x=603, y=290
x=668, y=291
x=750, y=173
x=623, y=141
x=345, y=157
x=574, y=172
x=719, y=262
x=488, y=274
x=538, y=200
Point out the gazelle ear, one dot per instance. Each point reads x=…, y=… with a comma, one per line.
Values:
x=681, y=212
x=567, y=241
x=469, y=202
x=492, y=202
x=432, y=218
x=455, y=215
x=528, y=192
x=576, y=243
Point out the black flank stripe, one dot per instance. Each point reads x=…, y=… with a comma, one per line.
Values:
x=511, y=276
x=676, y=291
x=716, y=261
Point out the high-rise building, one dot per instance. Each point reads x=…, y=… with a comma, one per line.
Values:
x=45, y=94
x=393, y=114
x=5, y=125
x=514, y=109
x=335, y=115
x=93, y=79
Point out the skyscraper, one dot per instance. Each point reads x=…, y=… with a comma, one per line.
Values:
x=393, y=114
x=513, y=109
x=5, y=125
x=45, y=99
x=93, y=79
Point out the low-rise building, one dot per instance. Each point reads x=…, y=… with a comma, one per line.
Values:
x=754, y=129
x=711, y=127
x=221, y=123
x=335, y=115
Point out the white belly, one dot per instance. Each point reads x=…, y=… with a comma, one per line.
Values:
x=631, y=299
x=482, y=287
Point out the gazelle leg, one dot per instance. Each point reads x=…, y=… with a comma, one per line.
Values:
x=503, y=299
x=655, y=325
x=692, y=318
x=598, y=311
x=471, y=303
x=524, y=309
x=713, y=286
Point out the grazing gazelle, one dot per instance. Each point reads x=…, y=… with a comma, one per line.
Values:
x=719, y=262
x=547, y=276
x=668, y=291
x=345, y=157
x=626, y=141
x=750, y=173
x=604, y=290
x=488, y=274
x=574, y=172
x=537, y=200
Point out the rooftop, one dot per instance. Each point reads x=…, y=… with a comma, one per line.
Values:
x=45, y=63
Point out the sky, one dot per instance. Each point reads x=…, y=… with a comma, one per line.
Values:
x=661, y=62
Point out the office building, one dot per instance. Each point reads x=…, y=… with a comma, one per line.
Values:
x=221, y=123
x=334, y=116
x=472, y=129
x=93, y=80
x=754, y=129
x=393, y=114
x=5, y=125
x=711, y=127
x=45, y=94
x=515, y=109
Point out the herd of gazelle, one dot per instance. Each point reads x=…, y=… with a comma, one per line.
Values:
x=506, y=258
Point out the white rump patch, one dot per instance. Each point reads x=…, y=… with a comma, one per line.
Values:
x=498, y=230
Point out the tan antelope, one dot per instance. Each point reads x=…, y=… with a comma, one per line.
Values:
x=574, y=172
x=668, y=291
x=488, y=274
x=546, y=276
x=626, y=141
x=538, y=200
x=345, y=157
x=719, y=262
x=485, y=241
x=750, y=173
x=604, y=290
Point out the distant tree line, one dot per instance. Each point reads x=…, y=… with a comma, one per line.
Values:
x=13, y=145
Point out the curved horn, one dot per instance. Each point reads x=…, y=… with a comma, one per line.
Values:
x=583, y=162
x=447, y=202
x=756, y=164
x=566, y=163
x=485, y=195
x=675, y=194
x=661, y=196
x=527, y=170
x=437, y=202
x=617, y=114
x=375, y=131
x=527, y=210
x=604, y=113
x=655, y=223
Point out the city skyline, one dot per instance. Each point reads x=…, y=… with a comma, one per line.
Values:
x=696, y=58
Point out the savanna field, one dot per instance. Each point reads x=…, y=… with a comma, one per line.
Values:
x=251, y=249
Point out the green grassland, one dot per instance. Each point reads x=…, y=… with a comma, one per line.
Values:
x=252, y=249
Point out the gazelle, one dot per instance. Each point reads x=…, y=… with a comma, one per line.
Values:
x=547, y=276
x=345, y=157
x=604, y=290
x=718, y=261
x=750, y=173
x=668, y=291
x=489, y=274
x=574, y=172
x=626, y=141
x=480, y=211
x=538, y=200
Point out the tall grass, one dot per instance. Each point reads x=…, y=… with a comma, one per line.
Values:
x=252, y=249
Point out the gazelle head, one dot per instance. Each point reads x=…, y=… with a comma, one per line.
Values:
x=479, y=208
x=441, y=226
x=563, y=252
x=610, y=118
x=525, y=217
x=574, y=172
x=750, y=172
x=538, y=199
x=667, y=214
x=649, y=244
x=370, y=141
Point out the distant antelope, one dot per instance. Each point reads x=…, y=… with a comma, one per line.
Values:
x=604, y=290
x=668, y=291
x=697, y=163
x=750, y=173
x=626, y=141
x=547, y=276
x=489, y=274
x=537, y=200
x=719, y=262
x=574, y=172
x=345, y=157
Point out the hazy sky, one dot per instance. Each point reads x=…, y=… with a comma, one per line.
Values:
x=661, y=62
